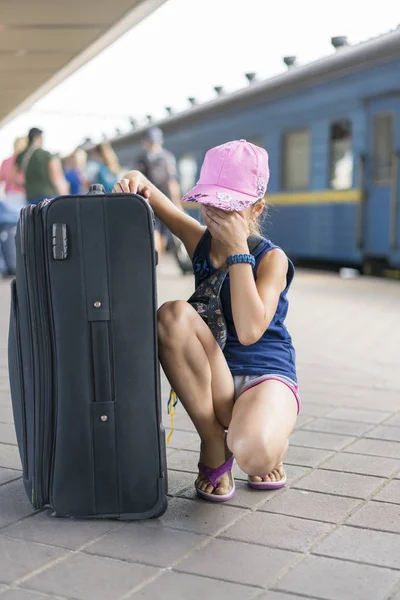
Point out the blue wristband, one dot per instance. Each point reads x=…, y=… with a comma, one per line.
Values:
x=236, y=259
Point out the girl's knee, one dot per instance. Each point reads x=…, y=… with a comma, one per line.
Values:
x=256, y=457
x=172, y=319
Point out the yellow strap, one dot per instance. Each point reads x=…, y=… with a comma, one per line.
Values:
x=172, y=404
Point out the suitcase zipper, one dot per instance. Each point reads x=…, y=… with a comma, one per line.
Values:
x=51, y=405
x=46, y=420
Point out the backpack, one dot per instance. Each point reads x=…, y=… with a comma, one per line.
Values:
x=154, y=165
x=206, y=299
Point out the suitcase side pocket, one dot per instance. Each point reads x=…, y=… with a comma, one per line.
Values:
x=17, y=379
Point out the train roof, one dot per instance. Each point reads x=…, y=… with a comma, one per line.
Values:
x=346, y=60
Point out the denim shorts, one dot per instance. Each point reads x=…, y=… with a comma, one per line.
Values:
x=243, y=383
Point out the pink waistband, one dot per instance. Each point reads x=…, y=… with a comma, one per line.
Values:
x=293, y=388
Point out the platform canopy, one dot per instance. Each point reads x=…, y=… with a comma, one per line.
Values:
x=44, y=41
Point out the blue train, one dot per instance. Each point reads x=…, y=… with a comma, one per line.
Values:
x=332, y=130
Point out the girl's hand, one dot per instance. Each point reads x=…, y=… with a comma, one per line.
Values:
x=230, y=228
x=134, y=182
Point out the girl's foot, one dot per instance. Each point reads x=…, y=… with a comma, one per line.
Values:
x=272, y=481
x=215, y=458
x=276, y=476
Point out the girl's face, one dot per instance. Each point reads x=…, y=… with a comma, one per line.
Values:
x=250, y=214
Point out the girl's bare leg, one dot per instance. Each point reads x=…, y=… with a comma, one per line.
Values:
x=197, y=371
x=262, y=420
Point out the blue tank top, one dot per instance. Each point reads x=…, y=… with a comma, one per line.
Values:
x=273, y=352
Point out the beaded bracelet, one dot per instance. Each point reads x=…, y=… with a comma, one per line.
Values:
x=241, y=258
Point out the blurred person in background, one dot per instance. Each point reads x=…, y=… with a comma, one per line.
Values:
x=159, y=166
x=14, y=182
x=75, y=172
x=44, y=177
x=103, y=167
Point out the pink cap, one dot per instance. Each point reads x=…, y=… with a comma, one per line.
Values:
x=233, y=177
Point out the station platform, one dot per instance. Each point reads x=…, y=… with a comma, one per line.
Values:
x=332, y=534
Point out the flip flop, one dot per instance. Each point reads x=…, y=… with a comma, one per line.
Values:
x=213, y=476
x=268, y=485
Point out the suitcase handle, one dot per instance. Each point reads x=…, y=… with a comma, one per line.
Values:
x=96, y=189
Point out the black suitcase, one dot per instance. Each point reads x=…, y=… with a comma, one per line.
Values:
x=83, y=363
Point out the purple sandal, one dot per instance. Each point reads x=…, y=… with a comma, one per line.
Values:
x=213, y=476
x=268, y=485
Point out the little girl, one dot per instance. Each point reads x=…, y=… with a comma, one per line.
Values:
x=243, y=400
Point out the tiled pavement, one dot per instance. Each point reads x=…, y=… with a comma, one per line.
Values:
x=333, y=533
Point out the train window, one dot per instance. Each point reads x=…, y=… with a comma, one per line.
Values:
x=187, y=168
x=296, y=160
x=383, y=146
x=341, y=170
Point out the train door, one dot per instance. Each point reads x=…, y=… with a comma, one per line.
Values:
x=381, y=229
